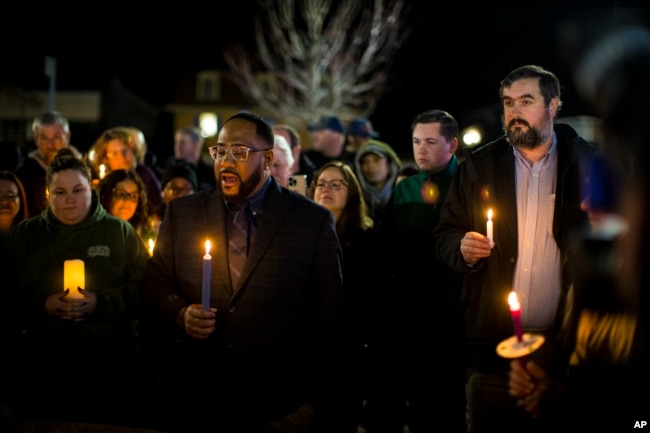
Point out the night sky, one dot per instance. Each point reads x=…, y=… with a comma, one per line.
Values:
x=454, y=58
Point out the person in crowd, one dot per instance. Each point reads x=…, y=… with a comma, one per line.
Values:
x=336, y=187
x=116, y=149
x=531, y=179
x=599, y=379
x=188, y=145
x=51, y=132
x=263, y=341
x=145, y=158
x=423, y=347
x=13, y=201
x=179, y=179
x=301, y=162
x=357, y=134
x=86, y=329
x=328, y=144
x=123, y=195
x=282, y=160
x=377, y=165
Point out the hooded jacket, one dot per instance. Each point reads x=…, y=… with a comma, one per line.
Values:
x=114, y=261
x=377, y=199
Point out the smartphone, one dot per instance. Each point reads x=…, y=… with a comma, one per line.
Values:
x=298, y=183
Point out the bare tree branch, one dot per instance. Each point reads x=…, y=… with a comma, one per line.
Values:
x=313, y=60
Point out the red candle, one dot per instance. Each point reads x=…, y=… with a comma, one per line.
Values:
x=515, y=312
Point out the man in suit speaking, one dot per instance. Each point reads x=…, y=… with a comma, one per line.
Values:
x=265, y=355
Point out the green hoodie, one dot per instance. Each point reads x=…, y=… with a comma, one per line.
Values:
x=114, y=259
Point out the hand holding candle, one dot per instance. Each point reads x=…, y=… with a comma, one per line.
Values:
x=515, y=311
x=207, y=275
x=74, y=278
x=490, y=227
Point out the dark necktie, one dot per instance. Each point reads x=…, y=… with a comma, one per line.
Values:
x=238, y=243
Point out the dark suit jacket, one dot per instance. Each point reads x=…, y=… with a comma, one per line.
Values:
x=276, y=333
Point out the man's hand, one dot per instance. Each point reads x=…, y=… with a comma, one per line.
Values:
x=197, y=322
x=475, y=246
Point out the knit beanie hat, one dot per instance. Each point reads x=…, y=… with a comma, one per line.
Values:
x=180, y=168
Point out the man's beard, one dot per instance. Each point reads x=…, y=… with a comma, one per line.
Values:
x=246, y=187
x=530, y=138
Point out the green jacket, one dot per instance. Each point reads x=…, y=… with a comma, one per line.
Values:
x=114, y=259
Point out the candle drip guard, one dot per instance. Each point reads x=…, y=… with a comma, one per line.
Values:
x=512, y=348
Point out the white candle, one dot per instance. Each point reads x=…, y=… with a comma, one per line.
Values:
x=151, y=245
x=207, y=274
x=102, y=171
x=74, y=278
x=490, y=227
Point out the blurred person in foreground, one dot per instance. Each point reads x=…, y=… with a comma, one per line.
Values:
x=600, y=378
x=51, y=132
x=423, y=343
x=336, y=187
x=532, y=179
x=89, y=339
x=265, y=355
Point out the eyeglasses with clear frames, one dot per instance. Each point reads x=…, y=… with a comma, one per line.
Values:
x=238, y=153
x=335, y=184
x=120, y=194
x=9, y=196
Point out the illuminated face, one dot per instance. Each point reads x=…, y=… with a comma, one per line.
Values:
x=70, y=196
x=124, y=199
x=431, y=150
x=49, y=139
x=375, y=169
x=176, y=187
x=326, y=192
x=527, y=121
x=280, y=169
x=239, y=180
x=9, y=203
x=119, y=156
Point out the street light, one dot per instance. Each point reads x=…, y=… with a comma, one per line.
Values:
x=472, y=136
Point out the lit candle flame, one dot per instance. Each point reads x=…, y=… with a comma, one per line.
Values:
x=489, y=214
x=102, y=171
x=151, y=245
x=513, y=302
x=207, y=247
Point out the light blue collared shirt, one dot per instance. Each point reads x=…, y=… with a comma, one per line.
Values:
x=537, y=278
